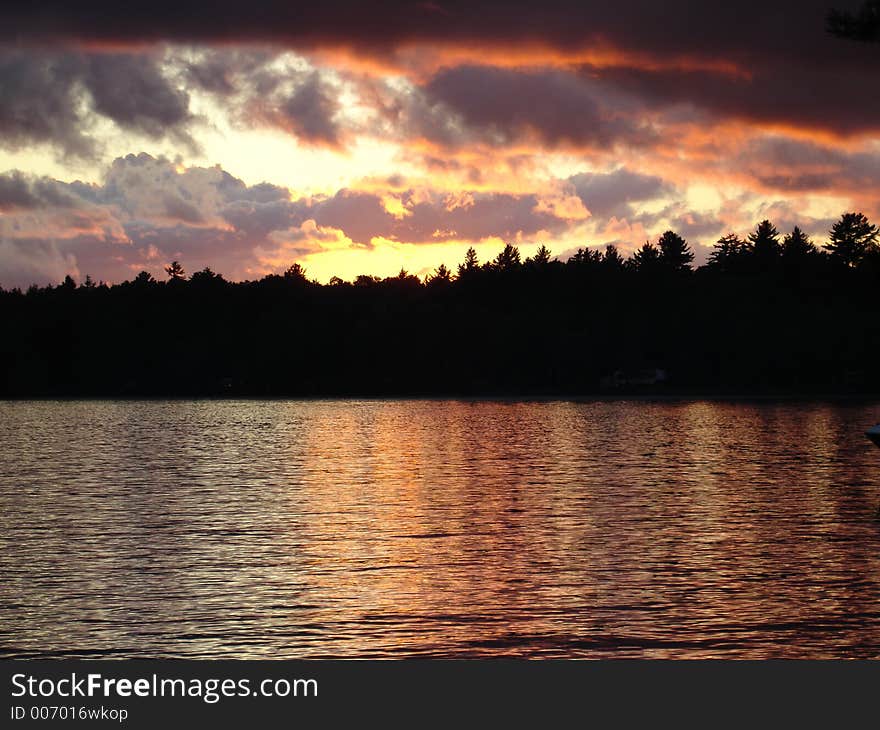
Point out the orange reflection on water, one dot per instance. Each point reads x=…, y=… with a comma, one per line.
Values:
x=397, y=528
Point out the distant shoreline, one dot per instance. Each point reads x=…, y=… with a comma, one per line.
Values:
x=747, y=326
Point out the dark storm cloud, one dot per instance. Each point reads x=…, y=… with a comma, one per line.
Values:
x=785, y=67
x=481, y=216
x=183, y=210
x=785, y=93
x=48, y=97
x=555, y=106
x=360, y=215
x=309, y=111
x=790, y=165
x=228, y=71
x=133, y=93
x=300, y=102
x=611, y=194
x=40, y=102
x=435, y=217
x=261, y=218
x=231, y=188
x=214, y=72
x=674, y=25
x=196, y=244
x=22, y=192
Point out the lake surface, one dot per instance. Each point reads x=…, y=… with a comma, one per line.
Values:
x=289, y=529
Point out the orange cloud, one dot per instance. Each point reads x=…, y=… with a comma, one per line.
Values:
x=420, y=61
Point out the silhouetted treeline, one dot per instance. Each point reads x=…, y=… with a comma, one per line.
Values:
x=861, y=25
x=769, y=312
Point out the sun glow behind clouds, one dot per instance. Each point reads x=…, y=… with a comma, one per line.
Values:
x=382, y=153
x=270, y=156
x=387, y=258
x=265, y=154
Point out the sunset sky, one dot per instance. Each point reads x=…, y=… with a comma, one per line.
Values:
x=362, y=137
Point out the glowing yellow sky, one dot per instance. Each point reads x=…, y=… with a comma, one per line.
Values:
x=707, y=182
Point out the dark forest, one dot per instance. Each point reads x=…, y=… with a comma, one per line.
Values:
x=770, y=313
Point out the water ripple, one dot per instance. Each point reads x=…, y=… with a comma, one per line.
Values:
x=274, y=529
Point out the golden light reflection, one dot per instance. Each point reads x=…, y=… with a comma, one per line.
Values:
x=444, y=528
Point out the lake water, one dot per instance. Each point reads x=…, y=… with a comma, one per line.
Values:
x=288, y=529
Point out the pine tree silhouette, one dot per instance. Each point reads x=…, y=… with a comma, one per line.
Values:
x=675, y=253
x=851, y=238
